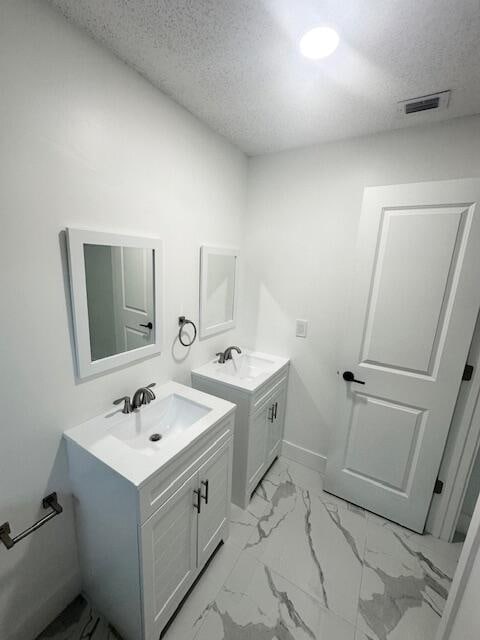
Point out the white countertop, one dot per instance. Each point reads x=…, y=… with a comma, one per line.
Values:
x=236, y=372
x=138, y=464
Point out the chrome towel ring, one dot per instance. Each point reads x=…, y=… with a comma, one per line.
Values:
x=183, y=321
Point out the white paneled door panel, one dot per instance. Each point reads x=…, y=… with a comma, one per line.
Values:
x=415, y=298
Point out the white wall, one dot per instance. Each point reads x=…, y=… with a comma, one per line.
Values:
x=84, y=141
x=303, y=213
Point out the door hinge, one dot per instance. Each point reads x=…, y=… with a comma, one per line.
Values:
x=467, y=372
x=438, y=486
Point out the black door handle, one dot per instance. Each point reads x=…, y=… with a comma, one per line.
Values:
x=149, y=325
x=349, y=377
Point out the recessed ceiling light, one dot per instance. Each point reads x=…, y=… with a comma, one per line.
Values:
x=319, y=43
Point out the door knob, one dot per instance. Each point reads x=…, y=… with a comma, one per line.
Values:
x=149, y=325
x=349, y=377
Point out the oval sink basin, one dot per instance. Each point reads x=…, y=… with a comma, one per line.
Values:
x=172, y=414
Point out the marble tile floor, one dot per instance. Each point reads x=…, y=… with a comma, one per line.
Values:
x=301, y=564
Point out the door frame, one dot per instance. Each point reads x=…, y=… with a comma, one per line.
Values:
x=471, y=548
x=461, y=449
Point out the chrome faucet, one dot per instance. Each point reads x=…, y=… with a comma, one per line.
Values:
x=144, y=395
x=223, y=356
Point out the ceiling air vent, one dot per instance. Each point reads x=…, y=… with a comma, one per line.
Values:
x=435, y=101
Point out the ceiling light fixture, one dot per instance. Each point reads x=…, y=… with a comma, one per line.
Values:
x=319, y=43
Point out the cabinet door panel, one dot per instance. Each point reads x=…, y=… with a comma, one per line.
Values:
x=169, y=556
x=275, y=427
x=215, y=485
x=257, y=446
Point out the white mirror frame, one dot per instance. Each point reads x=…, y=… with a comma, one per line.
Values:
x=205, y=252
x=76, y=239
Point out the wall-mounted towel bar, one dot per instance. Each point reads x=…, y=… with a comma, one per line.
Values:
x=49, y=502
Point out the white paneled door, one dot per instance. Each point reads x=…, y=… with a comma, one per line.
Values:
x=414, y=301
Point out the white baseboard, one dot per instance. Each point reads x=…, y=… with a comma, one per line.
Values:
x=463, y=523
x=46, y=611
x=315, y=461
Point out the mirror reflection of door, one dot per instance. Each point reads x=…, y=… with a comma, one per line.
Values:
x=220, y=289
x=120, y=298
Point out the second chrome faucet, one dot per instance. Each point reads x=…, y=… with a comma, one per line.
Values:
x=223, y=356
x=143, y=395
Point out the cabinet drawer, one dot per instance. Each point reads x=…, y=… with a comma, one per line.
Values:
x=164, y=484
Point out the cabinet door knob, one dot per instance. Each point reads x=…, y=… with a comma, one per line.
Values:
x=149, y=325
x=275, y=412
x=197, y=504
x=205, y=484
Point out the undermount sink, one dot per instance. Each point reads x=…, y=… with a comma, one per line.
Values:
x=246, y=371
x=136, y=445
x=145, y=431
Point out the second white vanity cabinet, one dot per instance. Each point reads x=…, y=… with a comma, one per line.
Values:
x=257, y=384
x=266, y=426
x=150, y=514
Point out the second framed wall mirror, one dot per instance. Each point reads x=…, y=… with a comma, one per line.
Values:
x=218, y=289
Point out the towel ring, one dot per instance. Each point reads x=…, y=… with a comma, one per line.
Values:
x=182, y=321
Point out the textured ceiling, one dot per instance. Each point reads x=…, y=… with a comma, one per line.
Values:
x=236, y=65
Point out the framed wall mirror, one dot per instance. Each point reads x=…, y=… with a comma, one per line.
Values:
x=116, y=289
x=218, y=289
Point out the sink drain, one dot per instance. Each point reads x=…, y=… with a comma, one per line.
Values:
x=155, y=437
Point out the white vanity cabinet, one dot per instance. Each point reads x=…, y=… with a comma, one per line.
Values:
x=260, y=416
x=144, y=537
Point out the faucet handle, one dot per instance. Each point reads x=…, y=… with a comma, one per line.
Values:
x=127, y=405
x=221, y=357
x=148, y=396
x=149, y=389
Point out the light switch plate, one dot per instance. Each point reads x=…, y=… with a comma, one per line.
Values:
x=301, y=328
